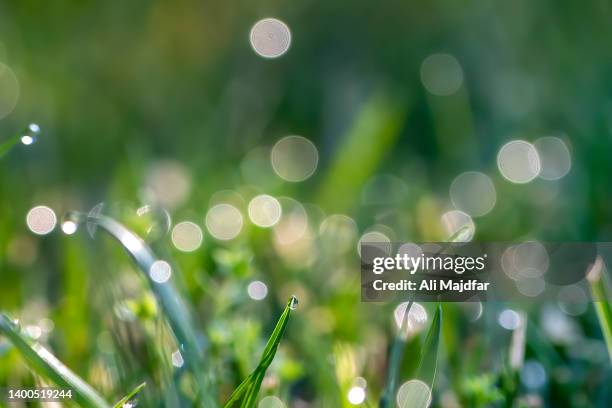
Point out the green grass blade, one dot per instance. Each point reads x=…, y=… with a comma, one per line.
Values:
x=417, y=393
x=429, y=352
x=175, y=310
x=131, y=396
x=360, y=154
x=398, y=344
x=8, y=144
x=45, y=364
x=245, y=395
x=601, y=294
x=395, y=360
x=32, y=130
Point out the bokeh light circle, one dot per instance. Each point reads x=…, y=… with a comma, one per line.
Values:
x=9, y=90
x=187, y=236
x=169, y=183
x=554, y=156
x=413, y=323
x=474, y=193
x=41, y=220
x=441, y=74
x=509, y=319
x=270, y=38
x=413, y=394
x=459, y=225
x=294, y=158
x=338, y=233
x=264, y=211
x=518, y=161
x=160, y=271
x=379, y=241
x=271, y=402
x=257, y=290
x=224, y=221
x=356, y=395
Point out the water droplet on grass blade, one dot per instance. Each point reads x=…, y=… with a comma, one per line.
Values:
x=177, y=359
x=156, y=220
x=30, y=134
x=293, y=303
x=95, y=213
x=69, y=227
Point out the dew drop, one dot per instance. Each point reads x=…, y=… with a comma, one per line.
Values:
x=69, y=227
x=294, y=302
x=30, y=134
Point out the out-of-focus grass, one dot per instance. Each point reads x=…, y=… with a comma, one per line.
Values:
x=132, y=396
x=48, y=366
x=181, y=84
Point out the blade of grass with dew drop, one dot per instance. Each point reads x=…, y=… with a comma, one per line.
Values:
x=245, y=395
x=601, y=293
x=45, y=364
x=130, y=397
x=176, y=312
x=30, y=131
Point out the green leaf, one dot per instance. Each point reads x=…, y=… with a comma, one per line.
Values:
x=429, y=352
x=131, y=396
x=245, y=395
x=45, y=364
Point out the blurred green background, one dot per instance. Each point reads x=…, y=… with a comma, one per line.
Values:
x=167, y=103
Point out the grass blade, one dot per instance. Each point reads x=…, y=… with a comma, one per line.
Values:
x=417, y=393
x=600, y=292
x=398, y=344
x=245, y=395
x=48, y=366
x=176, y=312
x=395, y=359
x=27, y=136
x=130, y=397
x=429, y=352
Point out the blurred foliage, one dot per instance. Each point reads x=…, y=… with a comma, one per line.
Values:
x=122, y=90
